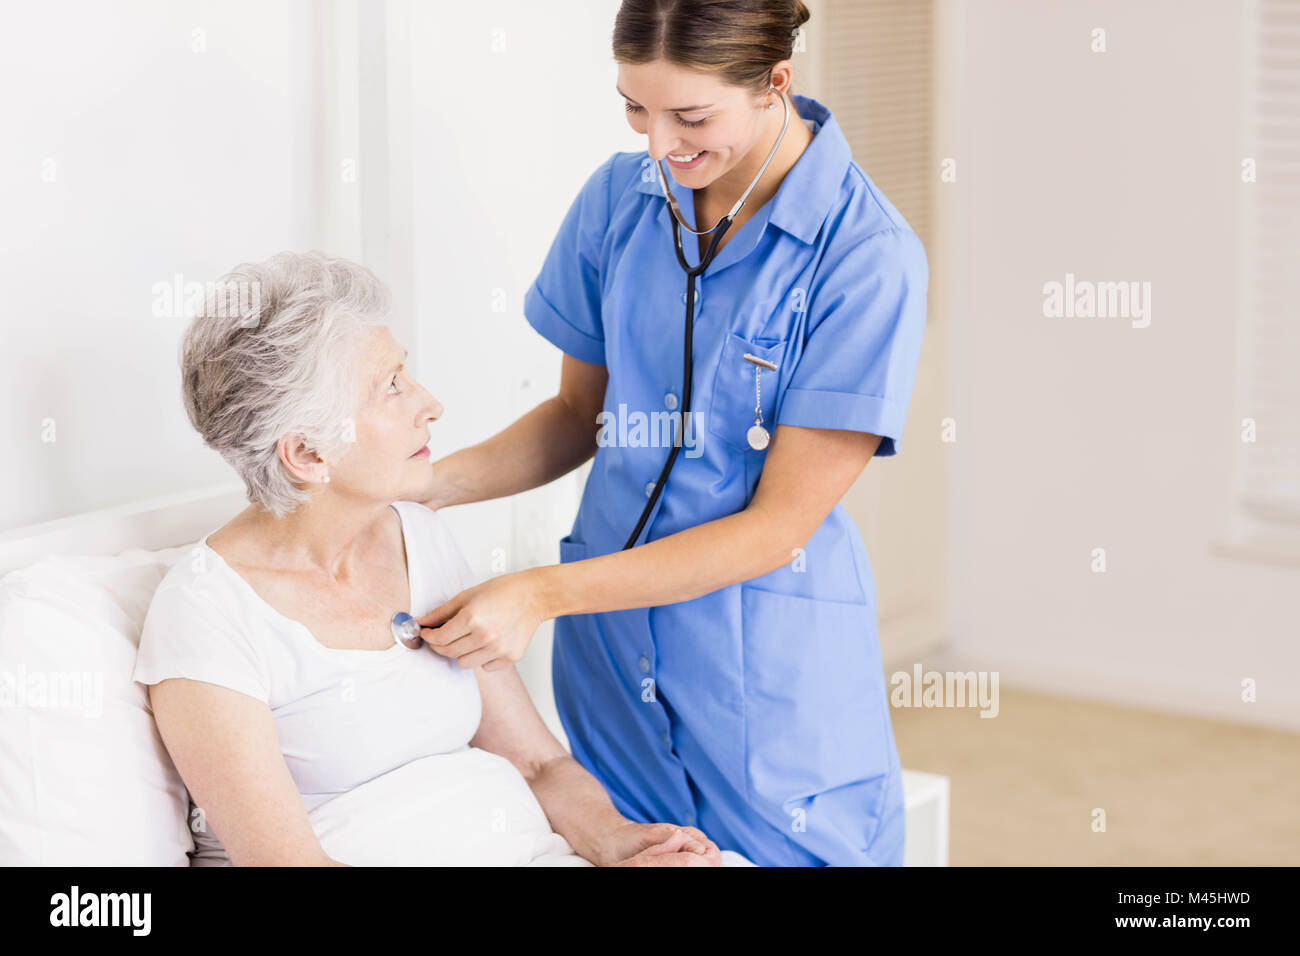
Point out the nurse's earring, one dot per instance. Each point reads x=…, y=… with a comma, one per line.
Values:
x=771, y=89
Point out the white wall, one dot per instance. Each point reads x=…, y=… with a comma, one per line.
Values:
x=440, y=144
x=130, y=156
x=1079, y=433
x=513, y=107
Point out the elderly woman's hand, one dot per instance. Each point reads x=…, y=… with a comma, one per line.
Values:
x=660, y=844
x=488, y=625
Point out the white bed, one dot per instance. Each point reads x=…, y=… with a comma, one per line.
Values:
x=84, y=777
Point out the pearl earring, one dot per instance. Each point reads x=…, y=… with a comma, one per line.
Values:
x=326, y=478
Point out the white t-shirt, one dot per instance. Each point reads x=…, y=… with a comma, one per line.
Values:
x=343, y=717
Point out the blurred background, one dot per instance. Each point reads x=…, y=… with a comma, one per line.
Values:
x=1101, y=512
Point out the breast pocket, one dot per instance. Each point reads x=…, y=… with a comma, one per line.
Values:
x=732, y=407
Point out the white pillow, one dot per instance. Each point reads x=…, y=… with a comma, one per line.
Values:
x=84, y=777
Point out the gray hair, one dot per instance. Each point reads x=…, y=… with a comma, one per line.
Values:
x=275, y=350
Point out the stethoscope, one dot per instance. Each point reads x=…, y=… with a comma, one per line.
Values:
x=405, y=628
x=757, y=435
x=406, y=631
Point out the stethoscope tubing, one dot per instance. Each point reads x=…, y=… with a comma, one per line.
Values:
x=692, y=272
x=687, y=362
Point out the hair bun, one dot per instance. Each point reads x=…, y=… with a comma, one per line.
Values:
x=738, y=41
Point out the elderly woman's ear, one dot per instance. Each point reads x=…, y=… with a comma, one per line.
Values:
x=300, y=460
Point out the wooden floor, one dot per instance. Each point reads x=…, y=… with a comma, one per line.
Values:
x=1177, y=791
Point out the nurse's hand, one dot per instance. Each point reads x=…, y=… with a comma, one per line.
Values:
x=660, y=844
x=488, y=625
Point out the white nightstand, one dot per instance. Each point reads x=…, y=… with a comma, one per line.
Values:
x=925, y=796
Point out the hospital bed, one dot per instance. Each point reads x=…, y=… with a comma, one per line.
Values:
x=84, y=777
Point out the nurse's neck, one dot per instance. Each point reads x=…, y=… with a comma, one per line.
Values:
x=717, y=198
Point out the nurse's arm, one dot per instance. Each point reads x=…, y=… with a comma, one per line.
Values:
x=550, y=441
x=806, y=473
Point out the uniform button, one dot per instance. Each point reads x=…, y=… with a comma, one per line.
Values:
x=699, y=300
x=644, y=664
x=690, y=819
x=649, y=488
x=670, y=401
x=668, y=739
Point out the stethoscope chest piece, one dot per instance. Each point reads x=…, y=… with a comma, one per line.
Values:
x=406, y=631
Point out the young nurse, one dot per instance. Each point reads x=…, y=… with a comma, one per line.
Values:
x=724, y=672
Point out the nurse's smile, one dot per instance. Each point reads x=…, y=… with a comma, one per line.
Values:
x=690, y=161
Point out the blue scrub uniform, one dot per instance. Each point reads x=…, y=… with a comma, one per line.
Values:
x=759, y=712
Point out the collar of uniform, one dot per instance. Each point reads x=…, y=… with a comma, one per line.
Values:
x=808, y=191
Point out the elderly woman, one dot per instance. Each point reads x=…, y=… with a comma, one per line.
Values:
x=274, y=677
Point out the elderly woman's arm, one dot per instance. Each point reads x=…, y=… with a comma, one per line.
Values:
x=574, y=801
x=225, y=746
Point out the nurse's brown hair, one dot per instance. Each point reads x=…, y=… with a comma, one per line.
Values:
x=739, y=40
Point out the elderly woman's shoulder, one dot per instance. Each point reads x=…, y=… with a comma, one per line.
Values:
x=198, y=578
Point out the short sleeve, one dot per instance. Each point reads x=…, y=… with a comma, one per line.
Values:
x=186, y=635
x=435, y=548
x=866, y=322
x=563, y=303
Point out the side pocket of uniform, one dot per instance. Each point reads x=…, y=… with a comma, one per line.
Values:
x=816, y=711
x=571, y=550
x=571, y=644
